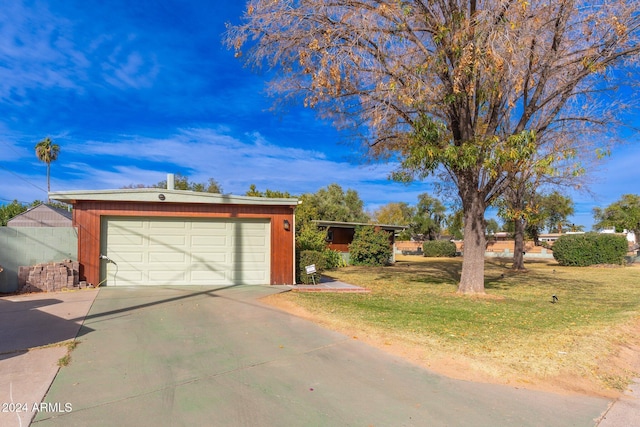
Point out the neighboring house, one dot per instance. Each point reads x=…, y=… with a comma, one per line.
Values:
x=41, y=216
x=340, y=234
x=549, y=238
x=153, y=236
x=630, y=235
x=42, y=234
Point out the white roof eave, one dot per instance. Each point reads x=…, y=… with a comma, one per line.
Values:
x=160, y=195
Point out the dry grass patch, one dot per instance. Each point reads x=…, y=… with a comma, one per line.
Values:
x=586, y=342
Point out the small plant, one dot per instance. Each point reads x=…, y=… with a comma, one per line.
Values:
x=333, y=259
x=370, y=247
x=66, y=359
x=439, y=248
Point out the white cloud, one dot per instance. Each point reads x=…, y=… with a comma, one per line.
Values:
x=37, y=51
x=235, y=162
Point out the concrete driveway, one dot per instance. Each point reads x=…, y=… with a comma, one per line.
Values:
x=34, y=331
x=190, y=356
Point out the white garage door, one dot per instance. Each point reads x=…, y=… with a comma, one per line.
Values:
x=182, y=251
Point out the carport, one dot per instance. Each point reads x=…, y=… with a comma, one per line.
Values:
x=155, y=236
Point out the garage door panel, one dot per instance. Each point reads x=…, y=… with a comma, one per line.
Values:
x=126, y=240
x=168, y=224
x=254, y=225
x=167, y=257
x=121, y=257
x=179, y=251
x=209, y=241
x=211, y=257
x=252, y=241
x=167, y=240
x=209, y=225
x=128, y=224
x=248, y=258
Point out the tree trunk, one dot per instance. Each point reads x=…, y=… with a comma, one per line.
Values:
x=48, y=180
x=518, y=250
x=472, y=278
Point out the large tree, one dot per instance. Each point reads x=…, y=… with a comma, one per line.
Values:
x=556, y=209
x=528, y=211
x=430, y=216
x=479, y=89
x=328, y=204
x=334, y=204
x=10, y=210
x=396, y=213
x=623, y=215
x=47, y=152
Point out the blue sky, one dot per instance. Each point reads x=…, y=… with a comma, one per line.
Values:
x=133, y=90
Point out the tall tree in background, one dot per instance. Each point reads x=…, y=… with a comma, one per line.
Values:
x=492, y=226
x=555, y=212
x=269, y=194
x=455, y=224
x=430, y=216
x=394, y=213
x=518, y=205
x=477, y=89
x=399, y=213
x=334, y=204
x=10, y=210
x=623, y=215
x=47, y=152
x=529, y=211
x=182, y=182
x=328, y=204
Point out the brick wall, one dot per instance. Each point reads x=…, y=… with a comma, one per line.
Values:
x=49, y=277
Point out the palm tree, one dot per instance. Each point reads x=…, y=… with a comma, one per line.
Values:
x=47, y=152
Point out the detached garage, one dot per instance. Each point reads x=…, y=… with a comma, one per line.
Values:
x=153, y=236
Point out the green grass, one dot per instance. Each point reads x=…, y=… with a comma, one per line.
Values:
x=515, y=332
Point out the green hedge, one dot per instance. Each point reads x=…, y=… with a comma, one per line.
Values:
x=589, y=249
x=306, y=258
x=370, y=247
x=439, y=248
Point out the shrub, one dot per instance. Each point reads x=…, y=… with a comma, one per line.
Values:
x=333, y=259
x=306, y=258
x=370, y=247
x=439, y=248
x=311, y=239
x=590, y=249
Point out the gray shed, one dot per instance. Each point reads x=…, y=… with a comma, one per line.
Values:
x=42, y=216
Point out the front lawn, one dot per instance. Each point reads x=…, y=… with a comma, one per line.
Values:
x=584, y=342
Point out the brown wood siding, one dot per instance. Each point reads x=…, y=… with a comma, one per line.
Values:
x=87, y=217
x=342, y=238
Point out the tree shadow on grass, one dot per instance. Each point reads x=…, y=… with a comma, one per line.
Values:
x=435, y=271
